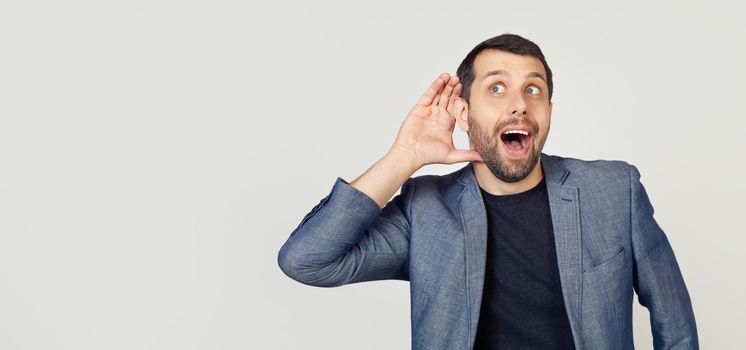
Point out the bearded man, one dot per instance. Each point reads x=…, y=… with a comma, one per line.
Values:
x=518, y=249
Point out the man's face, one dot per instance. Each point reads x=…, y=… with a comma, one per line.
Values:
x=508, y=113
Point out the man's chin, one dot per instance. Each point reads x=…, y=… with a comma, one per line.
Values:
x=514, y=169
x=514, y=178
x=509, y=175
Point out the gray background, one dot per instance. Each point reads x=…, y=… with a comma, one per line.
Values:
x=155, y=155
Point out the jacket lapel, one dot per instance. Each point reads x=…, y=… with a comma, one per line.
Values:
x=475, y=231
x=564, y=206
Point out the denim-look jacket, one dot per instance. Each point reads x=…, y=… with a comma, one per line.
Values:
x=434, y=235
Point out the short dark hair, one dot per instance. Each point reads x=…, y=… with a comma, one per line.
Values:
x=506, y=42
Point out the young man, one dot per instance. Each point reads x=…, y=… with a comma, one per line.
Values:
x=518, y=249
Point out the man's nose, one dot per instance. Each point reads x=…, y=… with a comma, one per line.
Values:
x=518, y=105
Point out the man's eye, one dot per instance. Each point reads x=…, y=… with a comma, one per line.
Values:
x=533, y=90
x=497, y=89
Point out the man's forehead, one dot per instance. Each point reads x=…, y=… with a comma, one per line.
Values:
x=491, y=61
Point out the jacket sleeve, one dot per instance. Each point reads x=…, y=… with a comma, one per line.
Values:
x=347, y=238
x=657, y=279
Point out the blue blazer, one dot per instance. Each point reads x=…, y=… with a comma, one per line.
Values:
x=434, y=234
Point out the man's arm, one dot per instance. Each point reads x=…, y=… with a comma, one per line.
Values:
x=657, y=279
x=347, y=237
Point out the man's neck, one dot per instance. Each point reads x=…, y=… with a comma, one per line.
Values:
x=492, y=185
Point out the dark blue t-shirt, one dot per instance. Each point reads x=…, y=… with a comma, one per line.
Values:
x=522, y=304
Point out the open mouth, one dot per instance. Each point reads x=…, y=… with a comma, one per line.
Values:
x=516, y=141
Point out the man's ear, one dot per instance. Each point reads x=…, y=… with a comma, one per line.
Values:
x=461, y=113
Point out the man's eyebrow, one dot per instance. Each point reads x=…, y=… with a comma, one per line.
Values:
x=496, y=72
x=505, y=73
x=536, y=75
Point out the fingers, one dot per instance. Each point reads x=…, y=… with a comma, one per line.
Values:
x=456, y=92
x=434, y=90
x=442, y=91
x=451, y=103
x=457, y=156
x=445, y=96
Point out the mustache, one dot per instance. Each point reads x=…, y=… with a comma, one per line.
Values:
x=516, y=122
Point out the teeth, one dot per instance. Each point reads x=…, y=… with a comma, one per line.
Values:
x=522, y=132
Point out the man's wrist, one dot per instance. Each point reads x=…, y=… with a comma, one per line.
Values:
x=404, y=158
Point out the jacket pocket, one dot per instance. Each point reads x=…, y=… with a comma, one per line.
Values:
x=607, y=268
x=602, y=293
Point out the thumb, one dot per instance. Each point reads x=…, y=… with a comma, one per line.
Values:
x=457, y=156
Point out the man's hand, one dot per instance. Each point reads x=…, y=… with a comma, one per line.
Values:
x=427, y=132
x=425, y=137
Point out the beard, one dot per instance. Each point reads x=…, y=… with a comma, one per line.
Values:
x=507, y=170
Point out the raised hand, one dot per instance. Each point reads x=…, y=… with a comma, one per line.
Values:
x=425, y=137
x=427, y=132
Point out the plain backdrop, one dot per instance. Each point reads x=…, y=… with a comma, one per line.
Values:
x=155, y=155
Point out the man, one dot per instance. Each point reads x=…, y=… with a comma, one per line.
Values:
x=518, y=249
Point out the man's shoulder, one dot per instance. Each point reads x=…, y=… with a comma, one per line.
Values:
x=445, y=186
x=605, y=172
x=444, y=179
x=581, y=166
